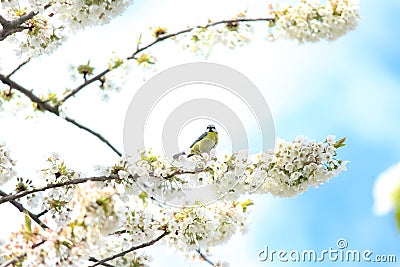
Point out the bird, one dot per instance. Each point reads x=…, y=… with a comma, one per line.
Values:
x=207, y=141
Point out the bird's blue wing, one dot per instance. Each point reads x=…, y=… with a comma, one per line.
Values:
x=198, y=139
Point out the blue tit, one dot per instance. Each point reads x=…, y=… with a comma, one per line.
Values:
x=207, y=141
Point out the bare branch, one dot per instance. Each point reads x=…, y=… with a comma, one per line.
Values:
x=18, y=68
x=83, y=85
x=123, y=253
x=204, y=257
x=21, y=208
x=99, y=136
x=43, y=212
x=160, y=39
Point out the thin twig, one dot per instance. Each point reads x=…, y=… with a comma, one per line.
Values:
x=211, y=24
x=204, y=257
x=21, y=208
x=83, y=85
x=40, y=214
x=159, y=39
x=18, y=68
x=99, y=136
x=123, y=253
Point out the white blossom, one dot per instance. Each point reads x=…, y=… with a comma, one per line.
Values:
x=384, y=189
x=7, y=164
x=309, y=21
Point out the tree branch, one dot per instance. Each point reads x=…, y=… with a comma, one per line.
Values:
x=83, y=85
x=123, y=253
x=18, y=195
x=44, y=105
x=18, y=68
x=159, y=39
x=99, y=136
x=13, y=26
x=208, y=25
x=43, y=212
x=92, y=259
x=21, y=208
x=7, y=198
x=35, y=99
x=204, y=257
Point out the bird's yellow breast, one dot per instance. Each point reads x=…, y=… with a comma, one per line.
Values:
x=206, y=144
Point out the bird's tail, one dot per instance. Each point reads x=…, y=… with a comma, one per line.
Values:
x=176, y=156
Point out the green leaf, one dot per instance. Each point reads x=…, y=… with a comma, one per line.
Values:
x=28, y=223
x=340, y=143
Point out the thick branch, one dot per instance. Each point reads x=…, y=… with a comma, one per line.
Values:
x=13, y=26
x=35, y=99
x=21, y=208
x=123, y=253
x=160, y=39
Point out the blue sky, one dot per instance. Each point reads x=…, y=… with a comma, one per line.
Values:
x=349, y=88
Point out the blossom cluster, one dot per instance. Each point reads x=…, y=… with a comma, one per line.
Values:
x=96, y=212
x=201, y=40
x=54, y=200
x=6, y=165
x=127, y=210
x=286, y=171
x=54, y=20
x=295, y=166
x=310, y=22
x=205, y=226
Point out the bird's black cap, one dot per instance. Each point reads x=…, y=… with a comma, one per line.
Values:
x=211, y=128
